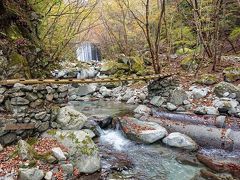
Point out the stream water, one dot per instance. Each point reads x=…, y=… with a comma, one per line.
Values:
x=125, y=159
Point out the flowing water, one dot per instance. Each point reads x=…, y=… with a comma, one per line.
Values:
x=125, y=159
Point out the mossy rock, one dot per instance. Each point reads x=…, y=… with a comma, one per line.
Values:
x=21, y=62
x=208, y=79
x=14, y=33
x=231, y=74
x=184, y=51
x=189, y=63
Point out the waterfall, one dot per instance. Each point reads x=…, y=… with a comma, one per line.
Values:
x=87, y=51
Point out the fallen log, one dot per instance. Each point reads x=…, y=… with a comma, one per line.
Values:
x=208, y=120
x=220, y=165
x=205, y=136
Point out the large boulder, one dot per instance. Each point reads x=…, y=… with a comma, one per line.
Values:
x=179, y=140
x=70, y=119
x=231, y=74
x=142, y=131
x=224, y=87
x=30, y=174
x=178, y=95
x=83, y=152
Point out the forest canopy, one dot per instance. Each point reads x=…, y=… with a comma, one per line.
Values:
x=38, y=34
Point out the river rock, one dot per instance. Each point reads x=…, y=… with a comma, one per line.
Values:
x=143, y=110
x=1, y=148
x=157, y=101
x=226, y=105
x=198, y=93
x=1, y=98
x=143, y=131
x=178, y=96
x=206, y=110
x=224, y=87
x=24, y=150
x=67, y=169
x=58, y=153
x=83, y=152
x=105, y=91
x=83, y=90
x=179, y=140
x=171, y=107
x=30, y=174
x=48, y=175
x=71, y=119
x=19, y=101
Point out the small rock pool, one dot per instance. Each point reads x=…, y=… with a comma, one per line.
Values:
x=125, y=159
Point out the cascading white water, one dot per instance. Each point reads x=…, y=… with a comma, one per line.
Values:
x=87, y=52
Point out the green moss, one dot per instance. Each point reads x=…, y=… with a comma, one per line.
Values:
x=21, y=62
x=232, y=74
x=52, y=132
x=189, y=63
x=31, y=141
x=13, y=32
x=184, y=51
x=207, y=79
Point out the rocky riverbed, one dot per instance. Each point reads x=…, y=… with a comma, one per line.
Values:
x=103, y=130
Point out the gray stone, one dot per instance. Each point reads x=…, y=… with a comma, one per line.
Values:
x=24, y=150
x=67, y=168
x=58, y=153
x=49, y=97
x=105, y=92
x=63, y=94
x=226, y=105
x=179, y=140
x=62, y=88
x=71, y=119
x=48, y=175
x=147, y=132
x=178, y=96
x=198, y=93
x=43, y=126
x=50, y=90
x=1, y=98
x=83, y=90
x=36, y=103
x=157, y=101
x=223, y=87
x=30, y=174
x=41, y=115
x=19, y=101
x=206, y=110
x=1, y=148
x=143, y=110
x=82, y=150
x=133, y=100
x=31, y=96
x=171, y=107
x=2, y=90
x=89, y=132
x=220, y=121
x=8, y=138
